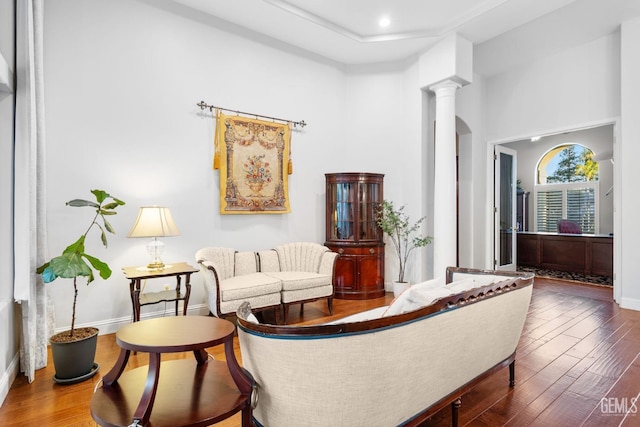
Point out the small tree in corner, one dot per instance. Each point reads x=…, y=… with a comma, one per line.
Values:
x=403, y=233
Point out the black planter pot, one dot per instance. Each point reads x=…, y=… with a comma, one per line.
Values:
x=74, y=360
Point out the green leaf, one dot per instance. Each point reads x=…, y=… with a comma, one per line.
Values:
x=108, y=226
x=81, y=203
x=103, y=236
x=101, y=195
x=69, y=265
x=100, y=266
x=111, y=205
x=76, y=247
x=40, y=269
x=90, y=278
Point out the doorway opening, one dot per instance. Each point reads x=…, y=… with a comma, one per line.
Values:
x=544, y=210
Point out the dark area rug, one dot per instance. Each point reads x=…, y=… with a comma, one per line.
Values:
x=574, y=277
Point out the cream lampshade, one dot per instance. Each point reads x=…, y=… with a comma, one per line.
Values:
x=154, y=221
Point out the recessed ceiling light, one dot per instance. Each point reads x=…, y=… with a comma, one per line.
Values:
x=384, y=21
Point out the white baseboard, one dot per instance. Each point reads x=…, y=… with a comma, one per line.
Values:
x=111, y=326
x=630, y=303
x=9, y=376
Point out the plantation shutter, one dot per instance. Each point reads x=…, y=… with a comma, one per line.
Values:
x=575, y=201
x=581, y=208
x=549, y=210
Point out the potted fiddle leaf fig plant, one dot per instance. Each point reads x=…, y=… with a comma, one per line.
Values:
x=404, y=235
x=73, y=351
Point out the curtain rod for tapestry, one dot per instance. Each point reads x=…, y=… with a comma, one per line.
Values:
x=205, y=106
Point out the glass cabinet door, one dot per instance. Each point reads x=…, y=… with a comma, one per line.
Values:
x=353, y=200
x=369, y=203
x=342, y=207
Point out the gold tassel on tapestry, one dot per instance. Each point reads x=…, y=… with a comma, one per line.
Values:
x=216, y=144
x=290, y=164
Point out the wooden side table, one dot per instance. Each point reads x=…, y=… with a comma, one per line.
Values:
x=137, y=274
x=196, y=392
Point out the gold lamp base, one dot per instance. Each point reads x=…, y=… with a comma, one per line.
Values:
x=156, y=265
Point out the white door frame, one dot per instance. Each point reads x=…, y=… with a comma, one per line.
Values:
x=509, y=228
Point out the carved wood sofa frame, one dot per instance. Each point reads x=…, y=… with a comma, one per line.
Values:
x=396, y=370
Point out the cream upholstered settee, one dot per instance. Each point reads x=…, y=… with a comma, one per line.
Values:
x=288, y=274
x=390, y=366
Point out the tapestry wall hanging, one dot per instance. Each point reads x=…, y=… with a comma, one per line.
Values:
x=254, y=161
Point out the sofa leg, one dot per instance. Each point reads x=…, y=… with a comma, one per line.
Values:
x=330, y=305
x=512, y=374
x=284, y=310
x=301, y=309
x=455, y=406
x=277, y=314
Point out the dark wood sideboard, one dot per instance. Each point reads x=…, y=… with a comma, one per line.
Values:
x=577, y=253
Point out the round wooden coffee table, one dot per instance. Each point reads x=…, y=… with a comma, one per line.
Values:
x=196, y=392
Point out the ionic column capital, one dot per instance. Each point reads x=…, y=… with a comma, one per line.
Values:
x=445, y=87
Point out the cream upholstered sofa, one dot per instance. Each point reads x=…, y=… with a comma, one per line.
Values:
x=291, y=273
x=395, y=365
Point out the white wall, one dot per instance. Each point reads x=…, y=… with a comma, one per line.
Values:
x=121, y=116
x=417, y=178
x=473, y=205
x=565, y=91
x=394, y=111
x=122, y=79
x=383, y=134
x=628, y=153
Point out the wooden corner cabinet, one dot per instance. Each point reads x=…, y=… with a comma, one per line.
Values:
x=353, y=199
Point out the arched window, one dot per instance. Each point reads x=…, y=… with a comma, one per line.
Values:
x=567, y=188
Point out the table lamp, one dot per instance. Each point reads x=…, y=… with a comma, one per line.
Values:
x=154, y=221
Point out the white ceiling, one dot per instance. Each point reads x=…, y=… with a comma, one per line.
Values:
x=505, y=32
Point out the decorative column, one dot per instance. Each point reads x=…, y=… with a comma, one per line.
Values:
x=444, y=217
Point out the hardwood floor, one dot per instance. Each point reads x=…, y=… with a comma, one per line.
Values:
x=578, y=363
